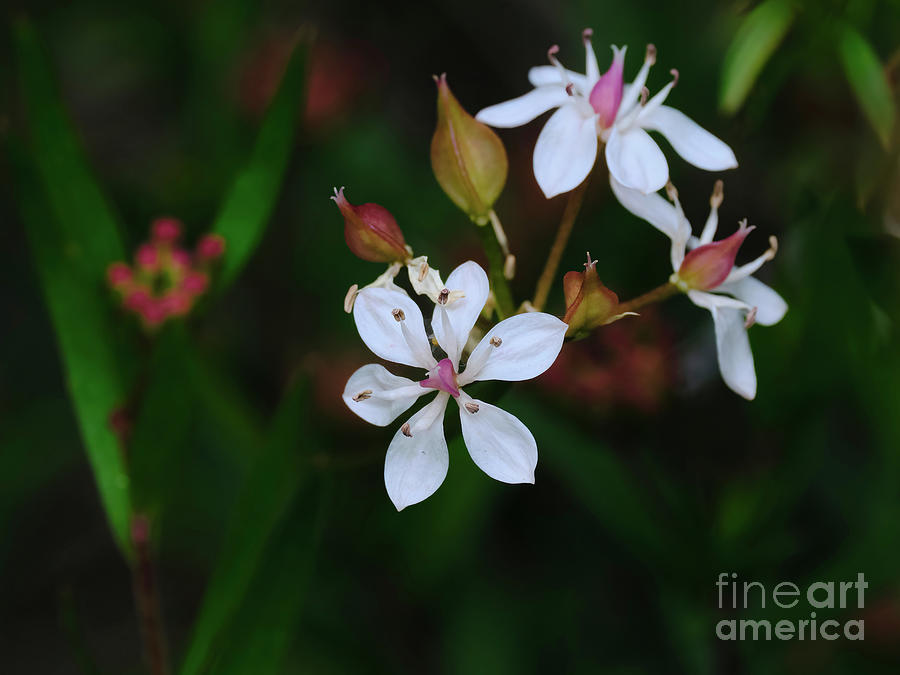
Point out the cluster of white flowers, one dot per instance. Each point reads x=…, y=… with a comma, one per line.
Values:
x=591, y=110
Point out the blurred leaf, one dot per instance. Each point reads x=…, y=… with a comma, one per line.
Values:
x=246, y=210
x=754, y=43
x=259, y=636
x=73, y=237
x=270, y=487
x=867, y=79
x=162, y=423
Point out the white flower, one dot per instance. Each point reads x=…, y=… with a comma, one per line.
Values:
x=518, y=348
x=708, y=275
x=594, y=108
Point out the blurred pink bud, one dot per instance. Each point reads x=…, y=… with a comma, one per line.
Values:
x=707, y=266
x=166, y=230
x=181, y=258
x=176, y=303
x=210, y=247
x=118, y=274
x=137, y=299
x=195, y=283
x=153, y=312
x=147, y=256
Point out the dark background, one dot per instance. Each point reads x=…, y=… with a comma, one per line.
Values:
x=653, y=477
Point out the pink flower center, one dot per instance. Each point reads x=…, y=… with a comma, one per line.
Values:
x=607, y=93
x=443, y=377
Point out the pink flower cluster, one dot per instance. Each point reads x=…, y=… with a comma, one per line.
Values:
x=166, y=279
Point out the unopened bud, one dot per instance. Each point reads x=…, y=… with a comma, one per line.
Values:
x=467, y=157
x=210, y=247
x=588, y=302
x=707, y=266
x=371, y=231
x=118, y=274
x=165, y=230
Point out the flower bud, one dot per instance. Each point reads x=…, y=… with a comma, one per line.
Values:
x=371, y=231
x=210, y=247
x=165, y=230
x=147, y=257
x=707, y=266
x=588, y=302
x=467, y=157
x=118, y=274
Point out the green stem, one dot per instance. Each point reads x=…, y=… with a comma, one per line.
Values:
x=542, y=290
x=658, y=294
x=496, y=261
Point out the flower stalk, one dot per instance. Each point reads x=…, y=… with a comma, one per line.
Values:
x=497, y=261
x=658, y=294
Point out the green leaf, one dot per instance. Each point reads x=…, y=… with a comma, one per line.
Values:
x=245, y=212
x=270, y=487
x=867, y=79
x=258, y=637
x=162, y=422
x=73, y=237
x=754, y=43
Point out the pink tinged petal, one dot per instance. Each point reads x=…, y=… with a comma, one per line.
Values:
x=540, y=76
x=708, y=265
x=770, y=306
x=565, y=151
x=650, y=207
x=518, y=348
x=378, y=396
x=452, y=322
x=606, y=96
x=591, y=67
x=732, y=343
x=417, y=458
x=498, y=442
x=694, y=143
x=401, y=341
x=635, y=160
x=522, y=110
x=442, y=377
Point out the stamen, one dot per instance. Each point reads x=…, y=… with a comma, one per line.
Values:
x=570, y=89
x=751, y=318
x=472, y=407
x=773, y=246
x=551, y=56
x=645, y=94
x=509, y=267
x=675, y=76
x=496, y=341
x=423, y=271
x=650, y=54
x=363, y=395
x=398, y=314
x=443, y=296
x=350, y=298
x=715, y=201
x=712, y=221
x=405, y=430
x=671, y=191
x=587, y=34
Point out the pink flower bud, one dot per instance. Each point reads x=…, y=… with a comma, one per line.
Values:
x=147, y=257
x=181, y=258
x=176, y=303
x=468, y=158
x=137, y=299
x=707, y=266
x=371, y=231
x=118, y=274
x=165, y=230
x=153, y=312
x=210, y=247
x=588, y=302
x=194, y=283
x=607, y=93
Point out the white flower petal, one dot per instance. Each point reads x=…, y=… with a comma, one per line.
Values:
x=498, y=442
x=653, y=208
x=380, y=395
x=770, y=307
x=522, y=110
x=565, y=151
x=463, y=312
x=518, y=348
x=415, y=466
x=398, y=341
x=694, y=143
x=732, y=343
x=540, y=76
x=635, y=160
